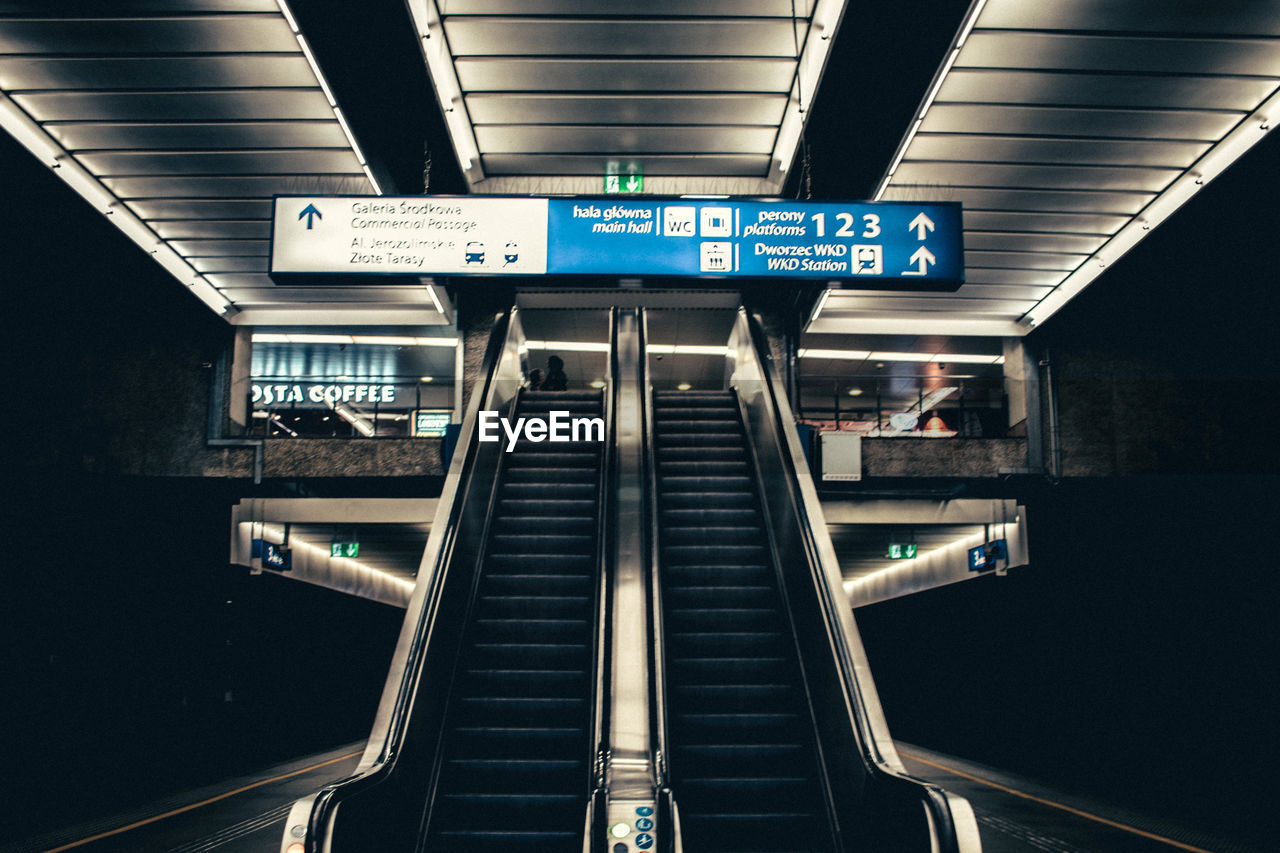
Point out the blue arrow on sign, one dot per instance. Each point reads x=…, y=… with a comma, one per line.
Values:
x=311, y=213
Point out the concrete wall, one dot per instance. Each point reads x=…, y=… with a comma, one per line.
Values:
x=941, y=457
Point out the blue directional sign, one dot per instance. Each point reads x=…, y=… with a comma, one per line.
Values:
x=757, y=239
x=277, y=557
x=988, y=556
x=875, y=244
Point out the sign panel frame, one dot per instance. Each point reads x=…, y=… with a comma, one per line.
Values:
x=859, y=244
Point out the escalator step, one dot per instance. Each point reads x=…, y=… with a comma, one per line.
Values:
x=727, y=643
x=708, y=499
x=554, y=458
x=696, y=413
x=536, y=683
x=733, y=574
x=709, y=534
x=527, y=525
x=518, y=475
x=703, y=468
x=707, y=619
x=713, y=554
x=701, y=454
x=540, y=491
x=532, y=606
x=548, y=584
x=543, y=543
x=723, y=595
x=504, y=841
x=551, y=564
x=550, y=506
x=543, y=630
x=705, y=438
x=532, y=655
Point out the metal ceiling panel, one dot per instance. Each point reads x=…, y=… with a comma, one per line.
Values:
x=520, y=36
x=228, y=135
x=1018, y=198
x=744, y=166
x=1167, y=55
x=235, y=105
x=181, y=229
x=639, y=139
x=203, y=209
x=1142, y=91
x=218, y=265
x=1021, y=220
x=989, y=275
x=726, y=109
x=1153, y=16
x=985, y=148
x=1060, y=177
x=264, y=32
x=593, y=74
x=1082, y=244
x=630, y=8
x=195, y=72
x=1067, y=131
x=1043, y=121
x=325, y=161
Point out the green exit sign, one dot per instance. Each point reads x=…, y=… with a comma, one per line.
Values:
x=344, y=549
x=901, y=552
x=620, y=179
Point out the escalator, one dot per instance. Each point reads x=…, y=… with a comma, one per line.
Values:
x=634, y=643
x=744, y=761
x=489, y=726
x=518, y=734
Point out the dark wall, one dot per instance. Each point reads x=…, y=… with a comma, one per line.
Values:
x=105, y=352
x=137, y=661
x=1167, y=363
x=125, y=671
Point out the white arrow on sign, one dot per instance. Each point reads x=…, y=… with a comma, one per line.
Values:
x=920, y=225
x=922, y=258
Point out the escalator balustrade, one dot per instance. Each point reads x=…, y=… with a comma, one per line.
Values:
x=744, y=764
x=517, y=742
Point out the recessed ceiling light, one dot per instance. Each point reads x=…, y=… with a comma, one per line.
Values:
x=855, y=392
x=599, y=383
x=684, y=386
x=427, y=379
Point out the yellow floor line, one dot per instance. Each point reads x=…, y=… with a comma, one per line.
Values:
x=1086, y=815
x=201, y=804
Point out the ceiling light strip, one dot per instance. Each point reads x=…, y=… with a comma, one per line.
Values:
x=323, y=82
x=970, y=21
x=810, y=64
x=448, y=89
x=936, y=358
x=364, y=340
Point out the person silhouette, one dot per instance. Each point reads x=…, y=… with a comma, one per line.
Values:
x=555, y=380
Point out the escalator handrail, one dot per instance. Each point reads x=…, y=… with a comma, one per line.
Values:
x=316, y=812
x=604, y=538
x=949, y=816
x=670, y=838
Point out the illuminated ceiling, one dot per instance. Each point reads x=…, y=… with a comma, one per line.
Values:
x=1067, y=130
x=179, y=120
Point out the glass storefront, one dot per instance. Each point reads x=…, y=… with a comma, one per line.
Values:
x=350, y=384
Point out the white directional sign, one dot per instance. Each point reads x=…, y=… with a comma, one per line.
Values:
x=422, y=236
